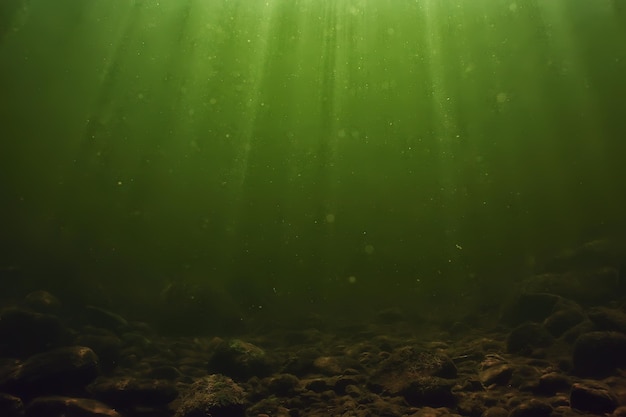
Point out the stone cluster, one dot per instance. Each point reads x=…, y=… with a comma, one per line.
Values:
x=555, y=350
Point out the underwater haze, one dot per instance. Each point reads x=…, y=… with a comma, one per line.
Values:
x=313, y=152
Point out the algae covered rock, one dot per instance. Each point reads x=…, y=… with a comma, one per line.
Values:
x=215, y=396
x=421, y=376
x=239, y=359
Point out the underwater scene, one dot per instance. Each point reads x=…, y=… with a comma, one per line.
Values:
x=300, y=208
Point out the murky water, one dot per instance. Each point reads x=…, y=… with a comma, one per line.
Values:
x=308, y=151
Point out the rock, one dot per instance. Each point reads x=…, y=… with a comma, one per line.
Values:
x=24, y=333
x=471, y=385
x=283, y=384
x=527, y=337
x=429, y=391
x=571, y=335
x=421, y=376
x=423, y=362
x=583, y=286
x=239, y=359
x=215, y=396
x=563, y=320
x=534, y=307
x=472, y=405
x=300, y=362
x=106, y=346
x=164, y=372
x=525, y=377
x=619, y=412
x=594, y=254
x=407, y=363
x=599, y=353
x=342, y=382
x=127, y=392
x=391, y=316
x=137, y=340
x=268, y=407
x=68, y=407
x=499, y=374
x=64, y=371
x=354, y=392
x=319, y=385
x=459, y=328
x=43, y=302
x=532, y=408
x=495, y=412
x=607, y=319
x=100, y=317
x=194, y=309
x=593, y=397
x=553, y=383
x=333, y=365
x=10, y=406
x=8, y=367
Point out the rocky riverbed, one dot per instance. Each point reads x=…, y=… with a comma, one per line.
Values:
x=557, y=349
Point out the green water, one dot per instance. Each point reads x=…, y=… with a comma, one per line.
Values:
x=311, y=150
